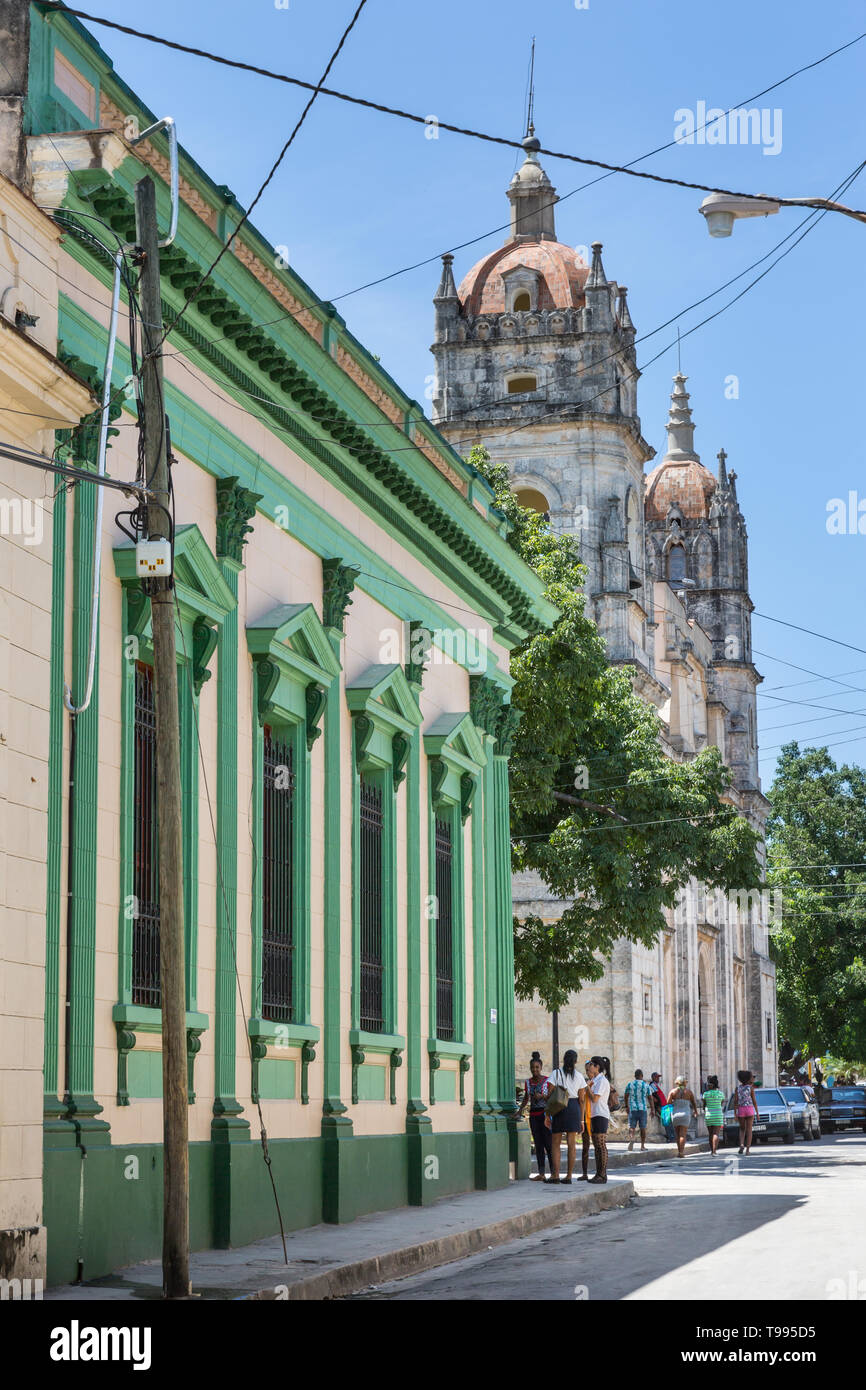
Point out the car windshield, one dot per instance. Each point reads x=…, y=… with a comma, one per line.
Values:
x=793, y=1093
x=767, y=1100
x=848, y=1093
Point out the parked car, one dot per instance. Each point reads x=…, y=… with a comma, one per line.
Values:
x=807, y=1119
x=774, y=1120
x=842, y=1107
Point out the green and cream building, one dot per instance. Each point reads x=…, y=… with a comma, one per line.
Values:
x=346, y=602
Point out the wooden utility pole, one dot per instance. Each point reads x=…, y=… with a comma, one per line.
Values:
x=175, y=1227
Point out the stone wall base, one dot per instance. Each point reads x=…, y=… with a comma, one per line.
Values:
x=23, y=1252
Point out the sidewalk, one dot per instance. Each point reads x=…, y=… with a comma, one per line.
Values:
x=619, y=1157
x=332, y=1261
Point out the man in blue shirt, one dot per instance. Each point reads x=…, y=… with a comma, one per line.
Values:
x=637, y=1094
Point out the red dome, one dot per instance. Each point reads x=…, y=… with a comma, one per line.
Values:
x=562, y=276
x=687, y=485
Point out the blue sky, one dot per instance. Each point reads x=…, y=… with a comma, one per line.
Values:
x=361, y=194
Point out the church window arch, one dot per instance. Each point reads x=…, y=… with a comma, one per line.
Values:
x=522, y=302
x=533, y=499
x=676, y=564
x=704, y=560
x=520, y=384
x=632, y=515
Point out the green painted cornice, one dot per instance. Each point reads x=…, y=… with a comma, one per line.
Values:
x=203, y=597
x=293, y=654
x=338, y=581
x=456, y=754
x=385, y=696
x=454, y=738
x=419, y=653
x=406, y=490
x=293, y=635
x=485, y=703
x=506, y=729
x=235, y=506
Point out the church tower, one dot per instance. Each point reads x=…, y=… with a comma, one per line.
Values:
x=535, y=360
x=697, y=542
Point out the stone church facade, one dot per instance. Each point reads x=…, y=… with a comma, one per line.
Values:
x=535, y=359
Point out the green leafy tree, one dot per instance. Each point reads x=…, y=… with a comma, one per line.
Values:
x=613, y=826
x=816, y=844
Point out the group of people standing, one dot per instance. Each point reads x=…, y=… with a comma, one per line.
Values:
x=570, y=1102
x=574, y=1102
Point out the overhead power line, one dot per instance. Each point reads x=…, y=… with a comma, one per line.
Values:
x=272, y=171
x=15, y=454
x=317, y=88
x=810, y=632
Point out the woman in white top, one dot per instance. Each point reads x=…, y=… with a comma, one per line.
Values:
x=570, y=1120
x=598, y=1071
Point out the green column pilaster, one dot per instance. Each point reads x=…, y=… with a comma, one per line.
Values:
x=332, y=1023
x=492, y=974
x=479, y=931
x=227, y=1108
x=503, y=927
x=189, y=765
x=54, y=867
x=235, y=506
x=81, y=926
x=518, y=1131
x=491, y=1140
x=420, y=1141
x=415, y=1107
x=338, y=580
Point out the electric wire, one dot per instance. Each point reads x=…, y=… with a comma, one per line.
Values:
x=318, y=88
x=190, y=297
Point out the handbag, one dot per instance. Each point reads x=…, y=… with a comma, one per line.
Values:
x=666, y=1114
x=557, y=1100
x=613, y=1099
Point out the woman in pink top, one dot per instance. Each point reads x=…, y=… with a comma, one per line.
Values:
x=747, y=1108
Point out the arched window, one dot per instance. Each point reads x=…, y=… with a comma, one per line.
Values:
x=533, y=499
x=519, y=384
x=676, y=565
x=522, y=302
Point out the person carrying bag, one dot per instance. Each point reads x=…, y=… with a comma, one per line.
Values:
x=564, y=1106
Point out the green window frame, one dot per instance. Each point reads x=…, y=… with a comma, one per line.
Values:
x=385, y=713
x=203, y=600
x=283, y=803
x=455, y=758
x=293, y=667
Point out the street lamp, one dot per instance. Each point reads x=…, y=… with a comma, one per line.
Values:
x=722, y=209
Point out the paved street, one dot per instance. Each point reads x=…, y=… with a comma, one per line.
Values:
x=783, y=1223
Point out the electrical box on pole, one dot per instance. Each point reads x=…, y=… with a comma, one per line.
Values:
x=175, y=1245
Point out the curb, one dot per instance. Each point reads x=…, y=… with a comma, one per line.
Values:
x=630, y=1160
x=413, y=1259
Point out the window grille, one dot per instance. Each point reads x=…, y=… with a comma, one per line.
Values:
x=278, y=877
x=145, y=931
x=370, y=871
x=444, y=931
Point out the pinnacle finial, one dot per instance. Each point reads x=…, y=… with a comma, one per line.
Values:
x=625, y=319
x=723, y=472
x=530, y=103
x=597, y=277
x=447, y=288
x=680, y=426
